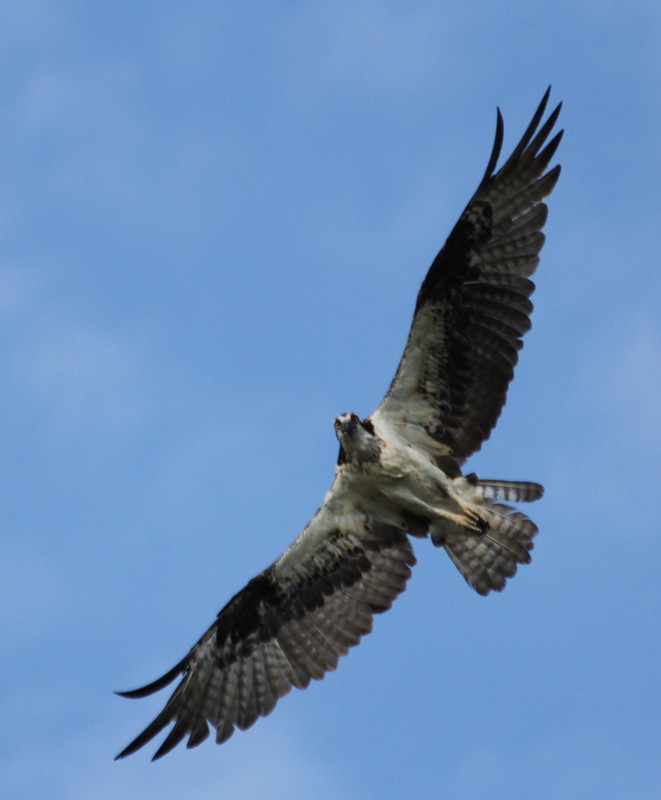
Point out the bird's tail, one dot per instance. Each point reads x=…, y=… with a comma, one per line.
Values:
x=510, y=491
x=488, y=558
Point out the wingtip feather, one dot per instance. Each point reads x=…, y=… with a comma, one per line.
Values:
x=158, y=684
x=153, y=729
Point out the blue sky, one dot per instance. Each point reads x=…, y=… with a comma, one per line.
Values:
x=215, y=219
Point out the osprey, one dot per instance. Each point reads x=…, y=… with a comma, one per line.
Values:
x=398, y=472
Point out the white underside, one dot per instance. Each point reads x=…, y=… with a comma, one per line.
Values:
x=404, y=479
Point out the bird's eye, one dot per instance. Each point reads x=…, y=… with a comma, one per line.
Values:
x=338, y=424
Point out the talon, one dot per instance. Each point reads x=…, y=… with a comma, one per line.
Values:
x=481, y=526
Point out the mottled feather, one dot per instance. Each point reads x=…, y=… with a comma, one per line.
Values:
x=473, y=306
x=290, y=624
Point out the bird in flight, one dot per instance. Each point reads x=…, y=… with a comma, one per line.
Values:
x=399, y=472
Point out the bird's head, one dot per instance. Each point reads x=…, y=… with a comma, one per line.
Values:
x=358, y=441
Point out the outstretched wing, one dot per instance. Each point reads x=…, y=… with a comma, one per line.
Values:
x=288, y=625
x=473, y=307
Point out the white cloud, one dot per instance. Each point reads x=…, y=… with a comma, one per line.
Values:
x=370, y=45
x=572, y=764
x=80, y=376
x=17, y=288
x=35, y=592
x=80, y=766
x=630, y=378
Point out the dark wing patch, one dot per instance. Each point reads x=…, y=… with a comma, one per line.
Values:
x=282, y=630
x=473, y=307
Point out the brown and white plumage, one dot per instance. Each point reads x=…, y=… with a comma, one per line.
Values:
x=398, y=473
x=473, y=306
x=288, y=625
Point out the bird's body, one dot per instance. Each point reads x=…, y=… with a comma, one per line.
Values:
x=400, y=485
x=392, y=481
x=399, y=472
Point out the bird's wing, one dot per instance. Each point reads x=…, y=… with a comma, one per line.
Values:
x=473, y=306
x=288, y=625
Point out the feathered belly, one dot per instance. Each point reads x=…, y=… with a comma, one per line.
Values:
x=394, y=489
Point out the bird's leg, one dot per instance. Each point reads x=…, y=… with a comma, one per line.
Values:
x=471, y=518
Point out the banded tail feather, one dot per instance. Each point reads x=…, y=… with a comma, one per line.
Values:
x=486, y=560
x=509, y=491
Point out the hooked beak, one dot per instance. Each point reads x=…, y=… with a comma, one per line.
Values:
x=348, y=428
